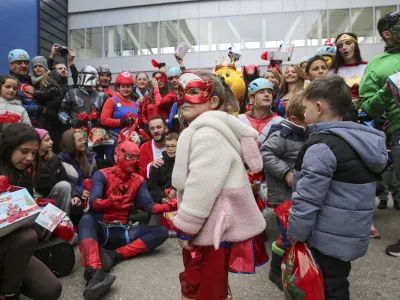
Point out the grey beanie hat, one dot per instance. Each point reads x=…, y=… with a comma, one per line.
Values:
x=39, y=60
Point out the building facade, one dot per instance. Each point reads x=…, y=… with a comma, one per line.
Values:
x=126, y=35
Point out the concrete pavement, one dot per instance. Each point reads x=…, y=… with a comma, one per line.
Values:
x=155, y=276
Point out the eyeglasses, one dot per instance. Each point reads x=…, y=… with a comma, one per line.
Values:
x=170, y=147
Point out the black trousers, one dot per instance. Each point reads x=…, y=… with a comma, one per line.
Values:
x=335, y=272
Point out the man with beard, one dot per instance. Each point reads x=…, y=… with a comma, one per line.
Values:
x=18, y=60
x=151, y=151
x=61, y=74
x=105, y=80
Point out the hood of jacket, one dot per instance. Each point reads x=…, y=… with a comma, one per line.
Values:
x=13, y=101
x=368, y=143
x=229, y=126
x=65, y=157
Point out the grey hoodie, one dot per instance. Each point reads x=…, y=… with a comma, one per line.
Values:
x=334, y=188
x=14, y=107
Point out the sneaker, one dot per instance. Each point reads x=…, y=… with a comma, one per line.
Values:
x=98, y=283
x=393, y=250
x=109, y=258
x=382, y=204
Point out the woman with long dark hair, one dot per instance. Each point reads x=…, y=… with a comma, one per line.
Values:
x=348, y=62
x=78, y=161
x=20, y=272
x=160, y=99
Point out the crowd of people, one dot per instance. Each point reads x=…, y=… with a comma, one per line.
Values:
x=318, y=134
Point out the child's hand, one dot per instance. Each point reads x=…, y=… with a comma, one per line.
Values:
x=289, y=178
x=185, y=244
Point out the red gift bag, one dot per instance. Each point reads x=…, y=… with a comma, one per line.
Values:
x=301, y=277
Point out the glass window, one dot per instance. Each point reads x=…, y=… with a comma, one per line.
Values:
x=149, y=37
x=189, y=33
x=94, y=42
x=77, y=42
x=339, y=22
x=112, y=41
x=380, y=11
x=242, y=32
x=272, y=26
x=316, y=26
x=208, y=35
x=130, y=40
x=293, y=28
x=169, y=36
x=362, y=24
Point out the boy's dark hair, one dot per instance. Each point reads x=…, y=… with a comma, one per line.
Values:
x=387, y=21
x=3, y=79
x=295, y=107
x=173, y=136
x=313, y=59
x=158, y=118
x=332, y=89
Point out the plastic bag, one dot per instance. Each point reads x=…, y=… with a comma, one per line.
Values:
x=301, y=277
x=65, y=229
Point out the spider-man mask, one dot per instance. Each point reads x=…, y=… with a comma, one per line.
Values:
x=128, y=157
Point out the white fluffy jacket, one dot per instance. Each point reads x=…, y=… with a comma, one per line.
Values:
x=215, y=199
x=14, y=107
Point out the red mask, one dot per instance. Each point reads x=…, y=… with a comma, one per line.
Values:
x=161, y=77
x=128, y=156
x=188, y=81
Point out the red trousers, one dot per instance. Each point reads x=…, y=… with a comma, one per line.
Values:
x=206, y=273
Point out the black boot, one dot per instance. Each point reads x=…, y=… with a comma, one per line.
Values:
x=275, y=273
x=109, y=258
x=98, y=283
x=382, y=204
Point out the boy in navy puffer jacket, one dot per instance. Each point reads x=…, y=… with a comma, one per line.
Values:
x=334, y=184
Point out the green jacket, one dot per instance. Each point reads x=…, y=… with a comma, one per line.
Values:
x=375, y=99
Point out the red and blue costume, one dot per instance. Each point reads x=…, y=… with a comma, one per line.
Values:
x=113, y=193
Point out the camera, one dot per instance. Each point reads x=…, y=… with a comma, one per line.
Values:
x=62, y=50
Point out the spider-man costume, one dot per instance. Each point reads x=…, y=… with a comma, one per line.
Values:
x=113, y=193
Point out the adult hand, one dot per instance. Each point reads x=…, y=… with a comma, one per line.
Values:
x=54, y=50
x=85, y=194
x=185, y=244
x=157, y=163
x=71, y=56
x=165, y=200
x=289, y=178
x=29, y=89
x=139, y=101
x=154, y=83
x=76, y=201
x=179, y=61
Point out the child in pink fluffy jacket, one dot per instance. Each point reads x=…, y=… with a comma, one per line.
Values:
x=218, y=221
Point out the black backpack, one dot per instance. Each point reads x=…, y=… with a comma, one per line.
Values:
x=57, y=254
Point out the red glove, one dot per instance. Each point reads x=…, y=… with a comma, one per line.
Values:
x=171, y=205
x=115, y=201
x=92, y=116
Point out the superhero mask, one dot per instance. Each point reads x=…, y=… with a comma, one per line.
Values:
x=128, y=157
x=161, y=77
x=189, y=81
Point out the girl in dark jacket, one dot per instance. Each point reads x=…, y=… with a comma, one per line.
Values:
x=20, y=272
x=52, y=181
x=47, y=94
x=78, y=161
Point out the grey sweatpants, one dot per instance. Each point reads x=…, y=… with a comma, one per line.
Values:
x=61, y=192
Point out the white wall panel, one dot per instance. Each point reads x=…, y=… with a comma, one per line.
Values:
x=315, y=5
x=293, y=5
x=250, y=7
x=229, y=8
x=150, y=14
x=189, y=10
x=130, y=16
x=169, y=12
x=208, y=9
x=269, y=6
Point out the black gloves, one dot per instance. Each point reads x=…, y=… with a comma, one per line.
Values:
x=127, y=122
